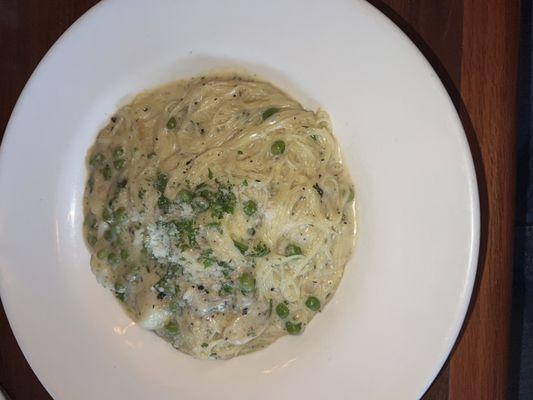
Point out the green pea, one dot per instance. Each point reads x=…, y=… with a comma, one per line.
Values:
x=250, y=207
x=120, y=215
x=200, y=204
x=151, y=155
x=124, y=254
x=278, y=147
x=185, y=196
x=293, y=328
x=282, y=310
x=97, y=159
x=241, y=246
x=292, y=250
x=118, y=164
x=171, y=123
x=351, y=195
x=112, y=258
x=313, y=303
x=102, y=253
x=91, y=239
x=118, y=152
x=269, y=112
x=209, y=173
x=247, y=283
x=172, y=327
x=110, y=234
x=204, y=345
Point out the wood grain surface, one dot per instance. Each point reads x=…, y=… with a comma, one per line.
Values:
x=488, y=87
x=472, y=44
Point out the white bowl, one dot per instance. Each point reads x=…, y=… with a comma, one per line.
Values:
x=401, y=303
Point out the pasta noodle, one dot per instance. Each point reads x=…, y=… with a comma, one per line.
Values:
x=219, y=212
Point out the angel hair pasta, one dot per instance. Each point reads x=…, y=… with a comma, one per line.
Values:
x=219, y=212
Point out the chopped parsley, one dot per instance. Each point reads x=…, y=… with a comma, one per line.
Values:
x=260, y=250
x=187, y=232
x=163, y=203
x=207, y=258
x=161, y=182
x=241, y=246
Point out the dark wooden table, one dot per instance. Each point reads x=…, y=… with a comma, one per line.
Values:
x=473, y=46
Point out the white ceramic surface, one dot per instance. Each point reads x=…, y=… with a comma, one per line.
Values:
x=403, y=298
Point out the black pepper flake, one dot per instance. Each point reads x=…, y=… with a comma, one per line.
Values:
x=202, y=131
x=161, y=295
x=201, y=287
x=318, y=189
x=272, y=289
x=245, y=311
x=113, y=119
x=188, y=162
